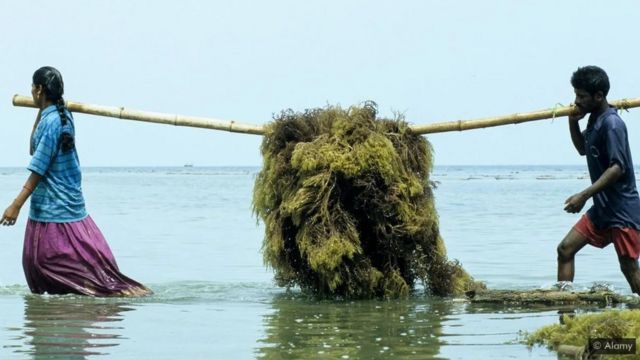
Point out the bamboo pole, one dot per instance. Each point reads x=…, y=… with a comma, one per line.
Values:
x=147, y=116
x=462, y=125
x=233, y=126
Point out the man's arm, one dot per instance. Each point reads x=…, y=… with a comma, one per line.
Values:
x=576, y=202
x=576, y=135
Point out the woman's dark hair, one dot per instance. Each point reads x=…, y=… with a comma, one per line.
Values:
x=53, y=86
x=591, y=79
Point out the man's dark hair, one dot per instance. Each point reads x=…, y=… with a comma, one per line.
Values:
x=591, y=79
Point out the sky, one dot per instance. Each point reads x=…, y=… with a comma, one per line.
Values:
x=248, y=60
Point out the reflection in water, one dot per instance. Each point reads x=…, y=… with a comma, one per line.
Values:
x=563, y=311
x=70, y=327
x=299, y=328
x=416, y=328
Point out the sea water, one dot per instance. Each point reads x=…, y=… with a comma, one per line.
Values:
x=189, y=234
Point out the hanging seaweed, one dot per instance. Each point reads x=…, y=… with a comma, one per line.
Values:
x=348, y=206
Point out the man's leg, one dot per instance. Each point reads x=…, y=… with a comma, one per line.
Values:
x=631, y=271
x=567, y=249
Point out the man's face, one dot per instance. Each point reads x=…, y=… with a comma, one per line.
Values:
x=587, y=102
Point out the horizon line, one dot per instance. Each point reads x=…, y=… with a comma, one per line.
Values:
x=190, y=165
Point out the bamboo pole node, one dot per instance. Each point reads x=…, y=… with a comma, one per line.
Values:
x=555, y=110
x=624, y=105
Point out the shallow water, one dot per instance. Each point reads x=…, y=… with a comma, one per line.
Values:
x=189, y=234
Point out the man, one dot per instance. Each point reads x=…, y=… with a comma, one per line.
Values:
x=615, y=214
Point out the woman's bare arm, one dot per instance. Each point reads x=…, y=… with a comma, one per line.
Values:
x=11, y=213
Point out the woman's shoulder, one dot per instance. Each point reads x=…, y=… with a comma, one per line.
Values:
x=50, y=118
x=50, y=122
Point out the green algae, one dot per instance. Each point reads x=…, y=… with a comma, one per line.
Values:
x=577, y=330
x=348, y=206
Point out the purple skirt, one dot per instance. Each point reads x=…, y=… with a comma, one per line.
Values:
x=63, y=258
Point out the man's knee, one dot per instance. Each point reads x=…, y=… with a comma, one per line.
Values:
x=570, y=245
x=565, y=252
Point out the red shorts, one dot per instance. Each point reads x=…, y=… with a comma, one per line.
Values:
x=625, y=240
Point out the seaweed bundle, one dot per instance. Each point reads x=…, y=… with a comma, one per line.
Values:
x=348, y=206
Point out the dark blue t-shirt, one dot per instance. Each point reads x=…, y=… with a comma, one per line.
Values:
x=607, y=143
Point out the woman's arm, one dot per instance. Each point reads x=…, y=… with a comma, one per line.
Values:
x=11, y=213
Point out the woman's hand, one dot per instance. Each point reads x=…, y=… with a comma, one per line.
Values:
x=10, y=215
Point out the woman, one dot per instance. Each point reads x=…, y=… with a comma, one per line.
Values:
x=64, y=251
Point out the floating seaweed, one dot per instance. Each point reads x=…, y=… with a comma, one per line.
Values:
x=572, y=336
x=348, y=206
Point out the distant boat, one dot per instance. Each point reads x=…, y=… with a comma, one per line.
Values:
x=545, y=177
x=188, y=165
